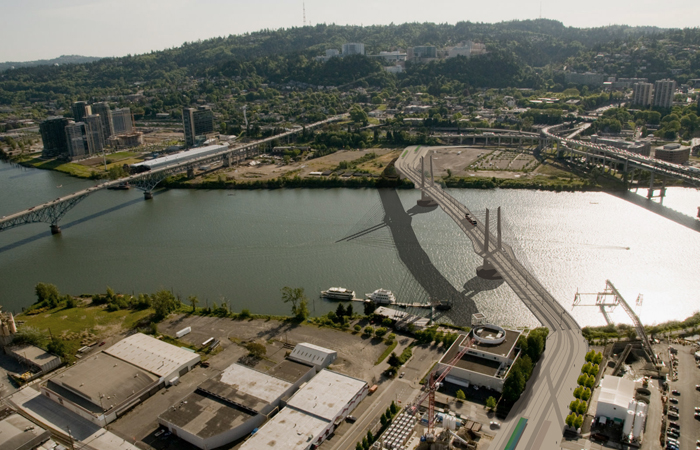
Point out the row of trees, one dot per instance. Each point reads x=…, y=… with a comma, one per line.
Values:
x=531, y=349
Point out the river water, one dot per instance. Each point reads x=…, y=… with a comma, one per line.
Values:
x=242, y=247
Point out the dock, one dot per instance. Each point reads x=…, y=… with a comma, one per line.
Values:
x=398, y=304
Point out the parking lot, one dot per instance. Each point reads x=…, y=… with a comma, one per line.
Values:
x=688, y=396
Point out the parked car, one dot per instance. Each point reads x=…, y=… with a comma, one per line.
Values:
x=675, y=392
x=674, y=425
x=673, y=400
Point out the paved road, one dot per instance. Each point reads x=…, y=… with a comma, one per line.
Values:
x=401, y=390
x=549, y=391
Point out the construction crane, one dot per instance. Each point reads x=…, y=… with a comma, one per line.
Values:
x=608, y=305
x=433, y=385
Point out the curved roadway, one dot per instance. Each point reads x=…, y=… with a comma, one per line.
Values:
x=550, y=390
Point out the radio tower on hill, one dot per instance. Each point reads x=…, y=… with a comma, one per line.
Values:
x=303, y=9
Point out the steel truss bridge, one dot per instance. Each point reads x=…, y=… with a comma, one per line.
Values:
x=51, y=212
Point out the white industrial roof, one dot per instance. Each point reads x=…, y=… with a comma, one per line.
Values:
x=289, y=430
x=151, y=354
x=310, y=353
x=326, y=394
x=189, y=154
x=254, y=383
x=616, y=391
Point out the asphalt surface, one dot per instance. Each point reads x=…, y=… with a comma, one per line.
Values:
x=688, y=378
x=550, y=389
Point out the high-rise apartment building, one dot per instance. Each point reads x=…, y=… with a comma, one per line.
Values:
x=93, y=133
x=77, y=140
x=663, y=93
x=197, y=122
x=105, y=118
x=122, y=121
x=80, y=110
x=353, y=48
x=53, y=135
x=642, y=94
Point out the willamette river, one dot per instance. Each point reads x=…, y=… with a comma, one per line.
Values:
x=242, y=247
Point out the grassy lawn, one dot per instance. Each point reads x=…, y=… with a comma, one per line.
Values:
x=95, y=319
x=386, y=353
x=73, y=169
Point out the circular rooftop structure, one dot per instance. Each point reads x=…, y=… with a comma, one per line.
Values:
x=489, y=334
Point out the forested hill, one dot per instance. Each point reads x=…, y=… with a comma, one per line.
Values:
x=521, y=54
x=63, y=59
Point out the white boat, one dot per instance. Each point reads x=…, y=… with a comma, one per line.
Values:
x=338, y=293
x=382, y=297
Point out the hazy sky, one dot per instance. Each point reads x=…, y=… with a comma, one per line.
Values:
x=42, y=29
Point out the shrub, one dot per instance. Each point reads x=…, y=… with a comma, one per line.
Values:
x=578, y=422
x=256, y=350
x=570, y=419
x=578, y=392
x=582, y=407
x=380, y=332
x=582, y=379
x=491, y=403
x=460, y=395
x=586, y=394
x=573, y=406
x=369, y=330
x=244, y=314
x=357, y=328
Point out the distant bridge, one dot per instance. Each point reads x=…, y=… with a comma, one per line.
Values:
x=616, y=158
x=51, y=212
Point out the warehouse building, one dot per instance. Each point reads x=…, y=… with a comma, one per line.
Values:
x=492, y=351
x=231, y=405
x=312, y=414
x=36, y=359
x=616, y=393
x=106, y=385
x=313, y=355
x=18, y=433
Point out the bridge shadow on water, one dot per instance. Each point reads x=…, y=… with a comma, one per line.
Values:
x=418, y=263
x=663, y=211
x=74, y=223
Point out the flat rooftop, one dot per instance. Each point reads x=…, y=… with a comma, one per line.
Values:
x=151, y=354
x=33, y=354
x=232, y=396
x=205, y=416
x=253, y=383
x=290, y=429
x=289, y=370
x=505, y=348
x=15, y=433
x=479, y=365
x=326, y=394
x=104, y=376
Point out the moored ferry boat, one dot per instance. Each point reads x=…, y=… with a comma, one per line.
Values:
x=382, y=297
x=338, y=293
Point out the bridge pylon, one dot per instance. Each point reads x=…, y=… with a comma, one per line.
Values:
x=487, y=271
x=425, y=200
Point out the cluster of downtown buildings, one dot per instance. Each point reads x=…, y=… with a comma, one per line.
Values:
x=94, y=127
x=396, y=59
x=97, y=126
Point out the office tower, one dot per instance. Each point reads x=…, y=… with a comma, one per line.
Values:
x=80, y=110
x=663, y=93
x=122, y=122
x=197, y=122
x=642, y=94
x=105, y=118
x=53, y=134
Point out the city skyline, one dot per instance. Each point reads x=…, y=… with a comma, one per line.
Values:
x=40, y=30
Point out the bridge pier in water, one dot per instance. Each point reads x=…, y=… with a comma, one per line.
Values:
x=148, y=195
x=55, y=229
x=425, y=200
x=487, y=271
